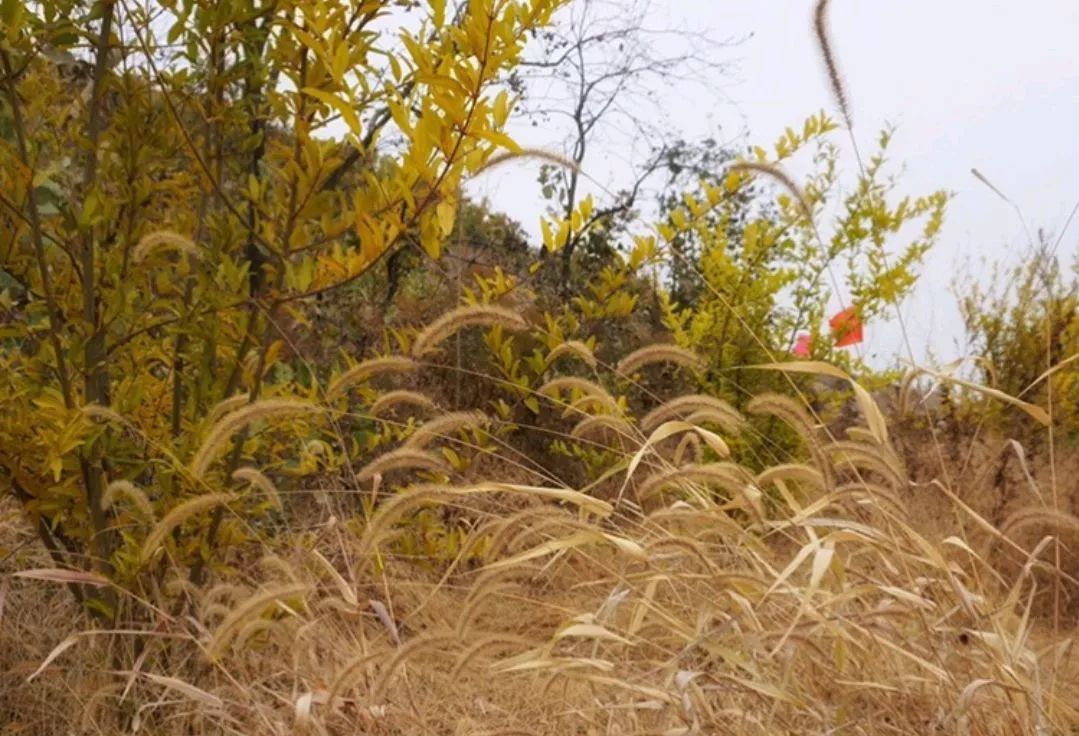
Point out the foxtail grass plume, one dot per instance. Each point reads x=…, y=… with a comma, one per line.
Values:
x=589, y=389
x=728, y=476
x=234, y=421
x=651, y=354
x=682, y=407
x=445, y=426
x=474, y=315
x=574, y=348
x=257, y=479
x=601, y=425
x=250, y=609
x=835, y=79
x=392, y=399
x=527, y=153
x=177, y=516
x=127, y=489
x=368, y=369
x=161, y=239
x=780, y=176
x=404, y=458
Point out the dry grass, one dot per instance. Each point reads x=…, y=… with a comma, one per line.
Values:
x=821, y=598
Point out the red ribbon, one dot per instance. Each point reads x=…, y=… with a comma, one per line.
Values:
x=846, y=327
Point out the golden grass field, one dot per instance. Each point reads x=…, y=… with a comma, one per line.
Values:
x=859, y=593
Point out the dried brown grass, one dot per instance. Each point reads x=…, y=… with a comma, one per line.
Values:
x=801, y=599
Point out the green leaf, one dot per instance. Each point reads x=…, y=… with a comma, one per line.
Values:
x=11, y=13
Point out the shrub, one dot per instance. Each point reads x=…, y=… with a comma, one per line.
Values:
x=1024, y=328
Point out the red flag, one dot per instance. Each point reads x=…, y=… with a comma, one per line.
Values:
x=803, y=346
x=846, y=327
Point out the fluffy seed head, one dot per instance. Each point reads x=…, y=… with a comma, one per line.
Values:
x=835, y=79
x=575, y=348
x=474, y=315
x=681, y=407
x=396, y=398
x=367, y=369
x=660, y=354
x=234, y=421
x=445, y=426
x=401, y=459
x=163, y=239
x=589, y=389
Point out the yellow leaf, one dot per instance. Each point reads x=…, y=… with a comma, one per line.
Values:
x=344, y=107
x=501, y=139
x=501, y=110
x=431, y=237
x=438, y=13
x=447, y=214
x=400, y=116
x=340, y=62
x=548, y=235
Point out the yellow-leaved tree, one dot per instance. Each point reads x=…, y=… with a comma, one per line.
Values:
x=174, y=184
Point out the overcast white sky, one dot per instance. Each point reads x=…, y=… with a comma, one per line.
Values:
x=970, y=83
